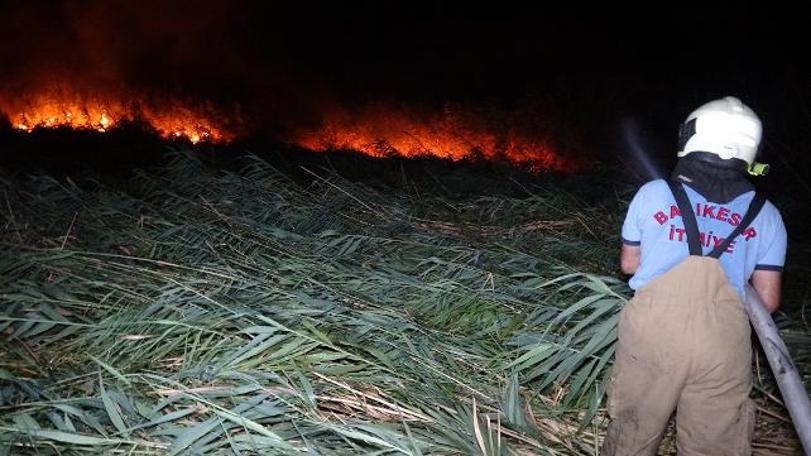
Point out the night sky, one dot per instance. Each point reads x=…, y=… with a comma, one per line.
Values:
x=599, y=70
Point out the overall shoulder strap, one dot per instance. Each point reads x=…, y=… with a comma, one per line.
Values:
x=688, y=217
x=754, y=209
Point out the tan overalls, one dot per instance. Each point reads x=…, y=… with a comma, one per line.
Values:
x=684, y=344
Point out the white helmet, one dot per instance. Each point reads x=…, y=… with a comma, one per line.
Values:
x=726, y=128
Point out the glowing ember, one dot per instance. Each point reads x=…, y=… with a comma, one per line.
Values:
x=63, y=109
x=383, y=132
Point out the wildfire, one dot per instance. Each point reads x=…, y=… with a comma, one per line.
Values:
x=61, y=109
x=380, y=131
x=453, y=135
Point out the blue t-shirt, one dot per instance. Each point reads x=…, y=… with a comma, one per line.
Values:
x=654, y=223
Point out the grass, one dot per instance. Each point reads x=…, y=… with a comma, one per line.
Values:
x=194, y=311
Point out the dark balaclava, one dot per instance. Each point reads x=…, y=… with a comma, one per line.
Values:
x=719, y=181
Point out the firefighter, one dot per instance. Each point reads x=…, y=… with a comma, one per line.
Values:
x=691, y=243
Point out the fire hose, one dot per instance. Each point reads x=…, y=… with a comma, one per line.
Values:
x=788, y=379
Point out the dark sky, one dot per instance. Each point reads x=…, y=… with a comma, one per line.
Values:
x=455, y=49
x=280, y=61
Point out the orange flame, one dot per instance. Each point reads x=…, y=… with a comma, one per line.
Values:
x=378, y=131
x=452, y=135
x=60, y=108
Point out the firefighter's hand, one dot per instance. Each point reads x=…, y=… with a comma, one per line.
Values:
x=767, y=284
x=629, y=258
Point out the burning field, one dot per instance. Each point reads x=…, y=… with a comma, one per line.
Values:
x=453, y=133
x=197, y=75
x=197, y=311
